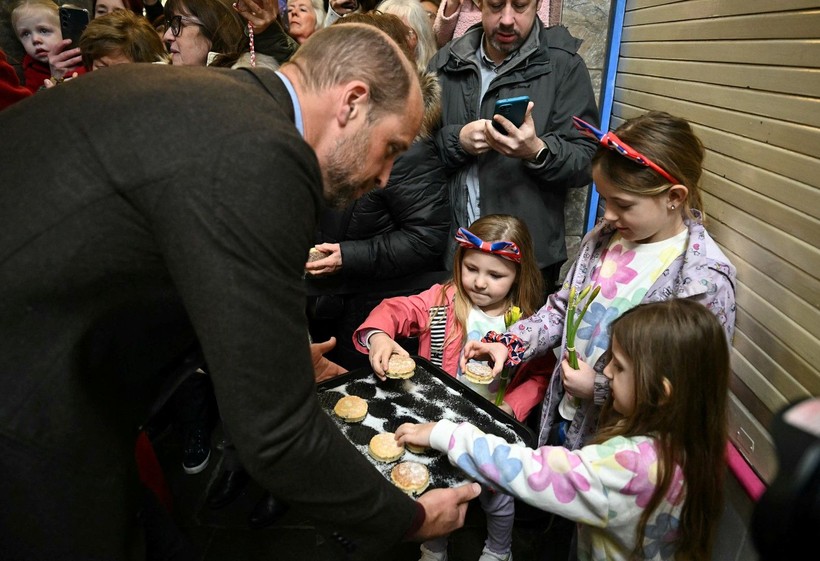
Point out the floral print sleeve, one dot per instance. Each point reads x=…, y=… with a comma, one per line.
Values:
x=605, y=486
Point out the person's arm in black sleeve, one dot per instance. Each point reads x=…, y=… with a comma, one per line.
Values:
x=568, y=151
x=274, y=41
x=416, y=200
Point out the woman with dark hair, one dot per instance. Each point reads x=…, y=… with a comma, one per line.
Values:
x=198, y=27
x=213, y=33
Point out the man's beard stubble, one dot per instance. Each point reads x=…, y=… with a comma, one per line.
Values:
x=505, y=48
x=342, y=184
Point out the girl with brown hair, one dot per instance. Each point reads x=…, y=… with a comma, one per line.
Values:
x=650, y=484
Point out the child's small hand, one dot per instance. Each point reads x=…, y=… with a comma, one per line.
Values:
x=494, y=353
x=261, y=13
x=578, y=383
x=381, y=348
x=417, y=435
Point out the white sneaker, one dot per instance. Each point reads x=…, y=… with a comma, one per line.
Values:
x=427, y=555
x=487, y=555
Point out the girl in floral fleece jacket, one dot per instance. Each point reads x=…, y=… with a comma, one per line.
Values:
x=650, y=246
x=650, y=484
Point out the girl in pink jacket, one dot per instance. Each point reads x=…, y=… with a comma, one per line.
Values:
x=495, y=281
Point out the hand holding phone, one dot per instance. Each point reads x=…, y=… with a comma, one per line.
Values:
x=73, y=22
x=513, y=109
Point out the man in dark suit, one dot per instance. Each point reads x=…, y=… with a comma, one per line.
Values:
x=149, y=203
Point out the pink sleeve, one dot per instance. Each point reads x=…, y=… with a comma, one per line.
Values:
x=529, y=385
x=399, y=317
x=544, y=12
x=443, y=26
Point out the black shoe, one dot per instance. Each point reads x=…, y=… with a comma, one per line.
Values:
x=226, y=488
x=266, y=512
x=197, y=450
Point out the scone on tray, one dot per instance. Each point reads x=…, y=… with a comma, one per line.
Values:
x=416, y=449
x=384, y=448
x=316, y=254
x=478, y=373
x=411, y=477
x=400, y=367
x=351, y=408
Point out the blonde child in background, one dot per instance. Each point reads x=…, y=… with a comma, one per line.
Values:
x=495, y=277
x=650, y=484
x=36, y=24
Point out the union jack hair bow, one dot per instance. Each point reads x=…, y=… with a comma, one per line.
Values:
x=507, y=250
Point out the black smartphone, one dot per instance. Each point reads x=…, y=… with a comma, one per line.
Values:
x=513, y=108
x=72, y=24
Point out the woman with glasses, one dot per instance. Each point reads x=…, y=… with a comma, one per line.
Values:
x=214, y=33
x=197, y=27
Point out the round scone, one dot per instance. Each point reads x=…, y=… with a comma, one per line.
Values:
x=400, y=367
x=416, y=449
x=351, y=408
x=316, y=254
x=411, y=477
x=478, y=373
x=384, y=448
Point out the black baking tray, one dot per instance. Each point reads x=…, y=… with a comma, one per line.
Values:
x=430, y=395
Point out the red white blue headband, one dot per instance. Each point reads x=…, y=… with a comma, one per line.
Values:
x=505, y=249
x=611, y=141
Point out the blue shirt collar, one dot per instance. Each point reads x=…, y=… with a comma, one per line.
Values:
x=297, y=108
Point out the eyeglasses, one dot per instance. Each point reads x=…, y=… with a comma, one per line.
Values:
x=611, y=141
x=175, y=24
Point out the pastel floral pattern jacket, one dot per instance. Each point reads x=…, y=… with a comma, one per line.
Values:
x=603, y=487
x=702, y=273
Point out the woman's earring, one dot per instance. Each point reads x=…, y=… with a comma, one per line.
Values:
x=673, y=207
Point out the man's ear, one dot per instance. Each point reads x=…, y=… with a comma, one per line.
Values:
x=353, y=102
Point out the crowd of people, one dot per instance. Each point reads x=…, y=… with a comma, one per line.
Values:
x=366, y=131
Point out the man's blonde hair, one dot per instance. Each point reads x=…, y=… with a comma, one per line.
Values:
x=342, y=53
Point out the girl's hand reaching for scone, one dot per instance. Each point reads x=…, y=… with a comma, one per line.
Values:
x=415, y=434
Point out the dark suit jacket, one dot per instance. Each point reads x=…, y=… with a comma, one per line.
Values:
x=133, y=201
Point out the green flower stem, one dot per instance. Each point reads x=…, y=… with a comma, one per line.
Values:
x=510, y=317
x=572, y=323
x=572, y=358
x=504, y=379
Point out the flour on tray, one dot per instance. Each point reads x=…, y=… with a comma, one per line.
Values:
x=424, y=398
